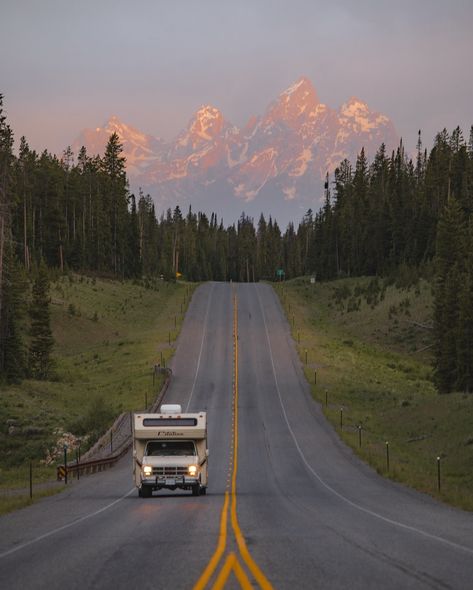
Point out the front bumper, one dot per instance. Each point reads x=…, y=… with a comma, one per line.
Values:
x=157, y=482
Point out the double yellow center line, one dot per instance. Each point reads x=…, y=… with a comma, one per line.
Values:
x=232, y=562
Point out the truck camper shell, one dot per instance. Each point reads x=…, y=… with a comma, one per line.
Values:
x=191, y=426
x=170, y=465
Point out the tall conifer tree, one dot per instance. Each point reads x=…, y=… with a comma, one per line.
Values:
x=41, y=339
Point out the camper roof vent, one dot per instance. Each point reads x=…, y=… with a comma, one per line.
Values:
x=171, y=409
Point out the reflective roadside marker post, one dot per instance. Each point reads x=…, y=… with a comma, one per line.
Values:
x=315, y=377
x=359, y=435
x=65, y=464
x=306, y=356
x=387, y=455
x=438, y=473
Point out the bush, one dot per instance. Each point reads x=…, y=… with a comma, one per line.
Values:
x=407, y=276
x=341, y=293
x=97, y=418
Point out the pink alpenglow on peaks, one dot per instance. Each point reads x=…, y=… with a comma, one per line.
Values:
x=276, y=161
x=295, y=104
x=139, y=148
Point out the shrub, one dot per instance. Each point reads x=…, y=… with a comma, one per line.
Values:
x=97, y=418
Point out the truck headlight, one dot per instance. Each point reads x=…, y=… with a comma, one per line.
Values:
x=147, y=470
x=192, y=470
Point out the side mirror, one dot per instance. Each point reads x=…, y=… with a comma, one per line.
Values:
x=206, y=452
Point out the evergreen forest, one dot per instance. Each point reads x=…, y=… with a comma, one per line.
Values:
x=76, y=213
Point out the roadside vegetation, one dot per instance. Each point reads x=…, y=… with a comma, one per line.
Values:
x=367, y=343
x=76, y=362
x=108, y=336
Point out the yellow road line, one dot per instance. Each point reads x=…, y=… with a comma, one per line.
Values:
x=255, y=570
x=222, y=541
x=231, y=562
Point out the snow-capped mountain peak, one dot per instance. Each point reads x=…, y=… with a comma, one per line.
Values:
x=356, y=113
x=277, y=162
x=293, y=106
x=139, y=148
x=353, y=107
x=301, y=90
x=207, y=122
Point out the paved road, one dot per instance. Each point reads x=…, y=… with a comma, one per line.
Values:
x=288, y=505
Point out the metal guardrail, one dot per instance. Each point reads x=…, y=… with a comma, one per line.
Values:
x=78, y=467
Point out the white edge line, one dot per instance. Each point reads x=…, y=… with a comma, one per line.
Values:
x=87, y=516
x=64, y=527
x=325, y=484
x=204, y=330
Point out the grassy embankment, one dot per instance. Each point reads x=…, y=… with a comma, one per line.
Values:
x=108, y=337
x=365, y=341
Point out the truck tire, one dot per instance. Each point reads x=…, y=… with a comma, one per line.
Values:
x=196, y=490
x=145, y=491
x=203, y=491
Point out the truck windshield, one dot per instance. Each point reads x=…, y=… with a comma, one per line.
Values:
x=166, y=448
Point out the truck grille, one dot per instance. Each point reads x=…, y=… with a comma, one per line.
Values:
x=170, y=471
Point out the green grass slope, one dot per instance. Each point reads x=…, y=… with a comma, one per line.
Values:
x=108, y=336
x=367, y=345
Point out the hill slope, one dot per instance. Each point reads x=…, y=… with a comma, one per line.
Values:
x=108, y=337
x=366, y=344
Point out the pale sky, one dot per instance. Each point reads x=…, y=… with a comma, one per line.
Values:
x=66, y=65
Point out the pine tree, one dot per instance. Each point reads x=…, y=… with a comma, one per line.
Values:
x=449, y=259
x=222, y=253
x=25, y=177
x=133, y=262
x=464, y=344
x=6, y=160
x=343, y=210
x=115, y=202
x=13, y=350
x=41, y=339
x=189, y=249
x=262, y=249
x=246, y=249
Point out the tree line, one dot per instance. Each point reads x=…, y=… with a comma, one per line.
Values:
x=397, y=212
x=76, y=212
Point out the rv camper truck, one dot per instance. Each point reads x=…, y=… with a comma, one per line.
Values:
x=170, y=451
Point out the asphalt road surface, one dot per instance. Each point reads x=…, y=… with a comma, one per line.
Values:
x=288, y=505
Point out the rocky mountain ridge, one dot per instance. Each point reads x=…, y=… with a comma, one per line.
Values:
x=275, y=164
